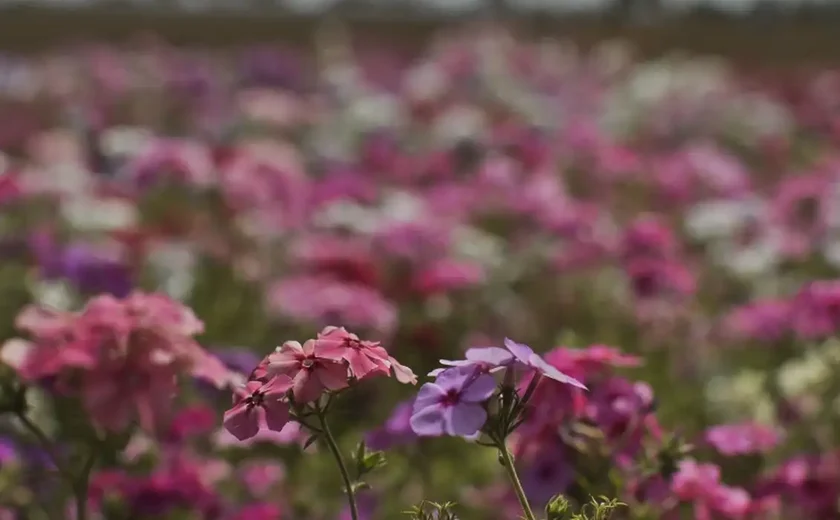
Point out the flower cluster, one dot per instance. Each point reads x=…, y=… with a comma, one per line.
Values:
x=667, y=231
x=121, y=357
x=300, y=374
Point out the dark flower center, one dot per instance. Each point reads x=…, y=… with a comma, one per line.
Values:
x=255, y=399
x=308, y=363
x=451, y=398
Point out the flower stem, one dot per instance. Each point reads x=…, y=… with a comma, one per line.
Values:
x=81, y=486
x=78, y=484
x=507, y=459
x=342, y=468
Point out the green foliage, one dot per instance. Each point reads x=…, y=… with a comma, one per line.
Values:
x=432, y=511
x=601, y=508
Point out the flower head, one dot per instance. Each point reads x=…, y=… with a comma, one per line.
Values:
x=363, y=357
x=258, y=403
x=311, y=366
x=453, y=404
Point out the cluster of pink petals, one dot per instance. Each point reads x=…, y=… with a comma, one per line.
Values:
x=121, y=357
x=700, y=484
x=742, y=439
x=301, y=373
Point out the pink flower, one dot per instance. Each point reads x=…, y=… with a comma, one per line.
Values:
x=259, y=477
x=120, y=356
x=648, y=237
x=193, y=421
x=310, y=368
x=322, y=298
x=172, y=160
x=292, y=433
x=257, y=403
x=761, y=320
x=259, y=511
x=742, y=439
x=363, y=357
x=448, y=275
x=816, y=309
x=655, y=279
x=695, y=481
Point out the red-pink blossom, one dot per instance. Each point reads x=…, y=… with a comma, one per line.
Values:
x=363, y=357
x=309, y=367
x=259, y=403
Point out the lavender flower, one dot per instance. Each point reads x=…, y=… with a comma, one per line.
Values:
x=527, y=357
x=452, y=405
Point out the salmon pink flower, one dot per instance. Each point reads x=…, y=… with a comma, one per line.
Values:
x=257, y=403
x=363, y=357
x=311, y=371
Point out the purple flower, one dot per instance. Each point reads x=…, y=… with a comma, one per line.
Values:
x=527, y=357
x=396, y=430
x=90, y=269
x=452, y=405
x=487, y=359
x=94, y=273
x=547, y=472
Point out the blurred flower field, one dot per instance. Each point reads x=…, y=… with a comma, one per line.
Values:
x=314, y=234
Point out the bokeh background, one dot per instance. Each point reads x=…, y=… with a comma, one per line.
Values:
x=657, y=177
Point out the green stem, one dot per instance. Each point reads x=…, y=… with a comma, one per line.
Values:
x=47, y=444
x=342, y=468
x=507, y=459
x=81, y=486
x=78, y=485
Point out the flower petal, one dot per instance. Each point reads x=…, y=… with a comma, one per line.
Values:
x=521, y=352
x=403, y=374
x=278, y=386
x=332, y=375
x=457, y=377
x=276, y=413
x=241, y=422
x=428, y=395
x=428, y=421
x=553, y=373
x=493, y=356
x=307, y=387
x=464, y=419
x=480, y=390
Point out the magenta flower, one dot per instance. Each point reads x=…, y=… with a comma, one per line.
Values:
x=311, y=371
x=527, y=357
x=742, y=439
x=453, y=404
x=257, y=403
x=363, y=357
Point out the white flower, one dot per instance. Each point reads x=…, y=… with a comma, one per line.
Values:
x=97, y=214
x=460, y=122
x=798, y=376
x=721, y=218
x=174, y=266
x=426, y=82
x=125, y=140
x=55, y=295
